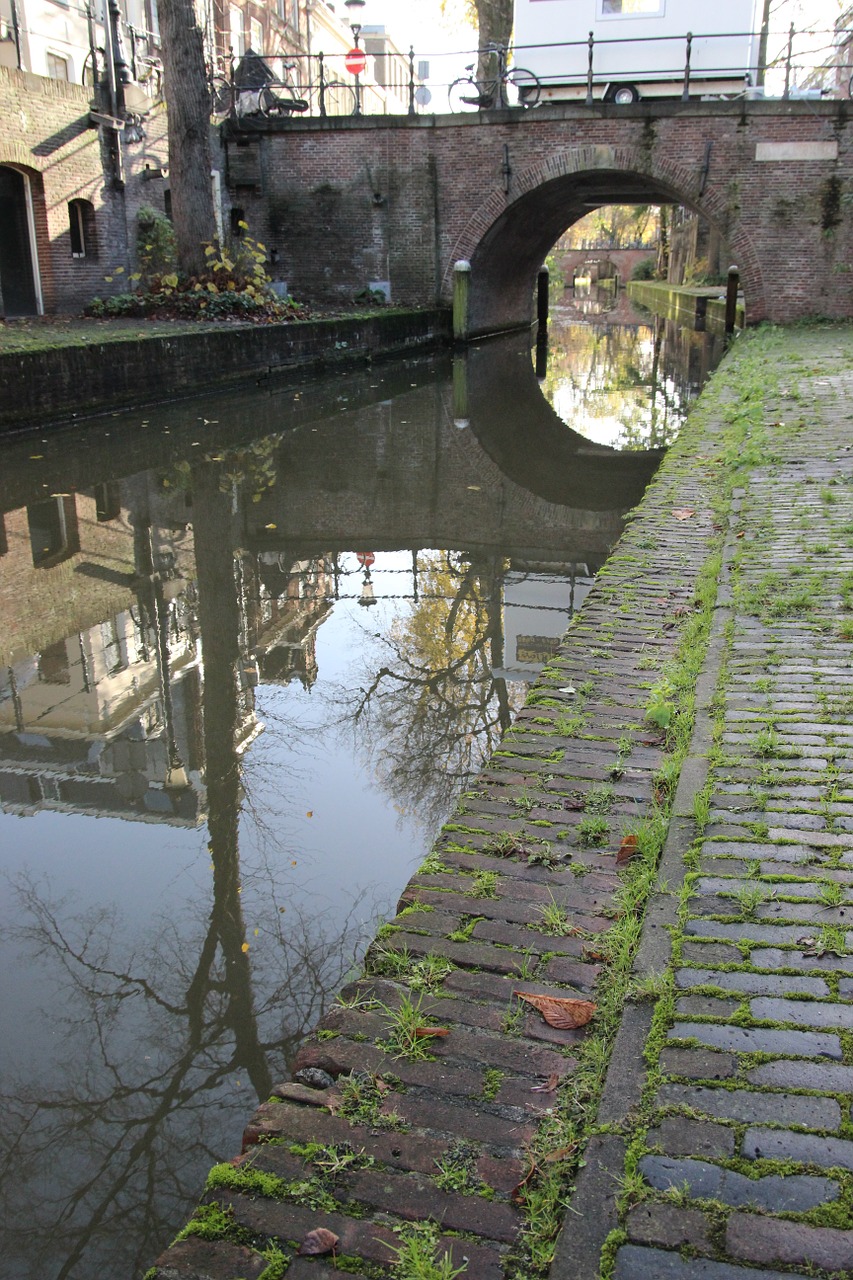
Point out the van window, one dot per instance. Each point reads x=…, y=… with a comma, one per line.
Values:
x=631, y=8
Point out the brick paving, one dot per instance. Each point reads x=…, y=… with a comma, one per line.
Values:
x=714, y=1118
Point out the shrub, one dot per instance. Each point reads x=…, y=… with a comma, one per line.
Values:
x=234, y=284
x=646, y=269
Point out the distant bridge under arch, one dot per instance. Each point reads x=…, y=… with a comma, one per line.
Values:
x=393, y=202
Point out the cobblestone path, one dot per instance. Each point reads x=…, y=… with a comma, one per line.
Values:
x=666, y=832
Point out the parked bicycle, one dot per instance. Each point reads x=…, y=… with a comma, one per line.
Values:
x=276, y=99
x=509, y=87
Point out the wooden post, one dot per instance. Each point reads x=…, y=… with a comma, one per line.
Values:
x=461, y=283
x=542, y=281
x=732, y=284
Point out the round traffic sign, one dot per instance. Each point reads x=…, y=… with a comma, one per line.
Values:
x=365, y=558
x=355, y=61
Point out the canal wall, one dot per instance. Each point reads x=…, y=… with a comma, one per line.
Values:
x=73, y=381
x=435, y=1109
x=694, y=307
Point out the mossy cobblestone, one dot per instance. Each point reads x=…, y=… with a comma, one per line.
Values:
x=732, y=1042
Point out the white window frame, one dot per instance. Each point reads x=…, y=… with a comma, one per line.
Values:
x=659, y=12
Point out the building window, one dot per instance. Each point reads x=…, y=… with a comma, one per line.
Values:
x=53, y=665
x=238, y=40
x=53, y=531
x=81, y=224
x=57, y=67
x=107, y=501
x=256, y=35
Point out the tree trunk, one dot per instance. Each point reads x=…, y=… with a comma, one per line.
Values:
x=188, y=104
x=494, y=26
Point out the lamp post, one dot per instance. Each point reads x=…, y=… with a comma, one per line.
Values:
x=355, y=7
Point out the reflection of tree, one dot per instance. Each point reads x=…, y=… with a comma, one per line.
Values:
x=612, y=373
x=433, y=711
x=98, y=1171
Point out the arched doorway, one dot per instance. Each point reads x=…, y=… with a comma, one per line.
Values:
x=20, y=293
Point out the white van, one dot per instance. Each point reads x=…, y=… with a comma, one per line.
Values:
x=639, y=48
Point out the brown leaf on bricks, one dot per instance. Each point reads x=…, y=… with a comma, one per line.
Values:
x=320, y=1240
x=683, y=513
x=560, y=1011
x=426, y=1033
x=629, y=848
x=549, y=1086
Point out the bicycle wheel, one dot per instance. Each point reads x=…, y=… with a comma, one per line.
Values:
x=339, y=98
x=220, y=98
x=520, y=88
x=464, y=95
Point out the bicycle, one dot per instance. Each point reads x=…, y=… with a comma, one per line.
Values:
x=278, y=99
x=510, y=87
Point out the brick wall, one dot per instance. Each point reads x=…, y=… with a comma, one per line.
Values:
x=402, y=199
x=45, y=133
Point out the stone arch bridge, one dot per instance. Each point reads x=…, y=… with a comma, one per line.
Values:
x=393, y=202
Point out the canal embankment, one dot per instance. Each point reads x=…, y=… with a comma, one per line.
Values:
x=617, y=992
x=123, y=363
x=693, y=306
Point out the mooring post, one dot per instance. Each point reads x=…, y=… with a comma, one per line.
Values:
x=542, y=281
x=732, y=284
x=461, y=282
x=460, y=390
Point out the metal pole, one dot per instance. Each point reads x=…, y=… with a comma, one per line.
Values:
x=685, y=92
x=321, y=65
x=355, y=28
x=542, y=295
x=732, y=283
x=589, y=72
x=411, y=79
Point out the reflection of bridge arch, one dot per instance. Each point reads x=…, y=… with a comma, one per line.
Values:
x=507, y=243
x=526, y=439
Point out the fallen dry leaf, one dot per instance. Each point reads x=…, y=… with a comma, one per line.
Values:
x=426, y=1033
x=320, y=1240
x=683, y=513
x=560, y=1011
x=561, y=1153
x=549, y=1086
x=629, y=848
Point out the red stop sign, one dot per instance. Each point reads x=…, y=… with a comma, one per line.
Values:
x=355, y=61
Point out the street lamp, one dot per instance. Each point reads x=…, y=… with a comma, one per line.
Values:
x=355, y=7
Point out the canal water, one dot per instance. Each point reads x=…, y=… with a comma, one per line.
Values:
x=253, y=645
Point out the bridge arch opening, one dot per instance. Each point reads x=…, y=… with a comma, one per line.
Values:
x=506, y=256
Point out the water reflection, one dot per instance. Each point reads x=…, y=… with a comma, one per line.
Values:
x=240, y=686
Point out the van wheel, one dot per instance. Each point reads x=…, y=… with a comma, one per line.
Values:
x=625, y=93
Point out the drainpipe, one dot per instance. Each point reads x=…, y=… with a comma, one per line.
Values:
x=17, y=33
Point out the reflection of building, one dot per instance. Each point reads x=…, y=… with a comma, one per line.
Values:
x=100, y=690
x=538, y=605
x=286, y=607
x=102, y=675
